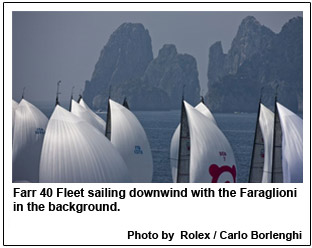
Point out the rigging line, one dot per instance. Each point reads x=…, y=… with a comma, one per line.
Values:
x=23, y=92
x=261, y=94
x=276, y=92
x=72, y=92
x=57, y=93
x=202, y=99
x=80, y=96
x=109, y=91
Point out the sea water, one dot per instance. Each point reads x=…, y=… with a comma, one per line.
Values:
x=160, y=126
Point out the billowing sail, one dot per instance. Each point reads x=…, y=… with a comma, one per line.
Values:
x=183, y=158
x=14, y=107
x=75, y=152
x=261, y=162
x=174, y=153
x=292, y=145
x=98, y=118
x=129, y=138
x=211, y=156
x=201, y=107
x=29, y=129
x=82, y=110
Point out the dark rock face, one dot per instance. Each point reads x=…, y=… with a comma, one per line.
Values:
x=257, y=58
x=171, y=71
x=124, y=57
x=126, y=64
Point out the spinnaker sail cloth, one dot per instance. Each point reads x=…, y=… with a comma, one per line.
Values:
x=14, y=107
x=288, y=146
x=211, y=157
x=101, y=122
x=129, y=138
x=174, y=154
x=201, y=107
x=29, y=130
x=261, y=162
x=75, y=152
x=82, y=110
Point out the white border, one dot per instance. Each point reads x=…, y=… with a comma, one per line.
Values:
x=157, y=214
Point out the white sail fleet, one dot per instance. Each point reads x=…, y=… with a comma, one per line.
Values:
x=278, y=147
x=77, y=146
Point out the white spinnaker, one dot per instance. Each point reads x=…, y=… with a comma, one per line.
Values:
x=201, y=107
x=14, y=107
x=212, y=158
x=174, y=146
x=75, y=152
x=266, y=121
x=101, y=123
x=29, y=129
x=87, y=115
x=292, y=145
x=129, y=138
x=174, y=153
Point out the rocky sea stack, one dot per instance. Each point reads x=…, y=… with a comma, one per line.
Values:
x=257, y=58
x=126, y=64
x=124, y=57
x=170, y=72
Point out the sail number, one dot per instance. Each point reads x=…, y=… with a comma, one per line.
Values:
x=39, y=130
x=223, y=154
x=138, y=150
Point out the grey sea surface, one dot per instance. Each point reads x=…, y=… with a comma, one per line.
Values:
x=160, y=126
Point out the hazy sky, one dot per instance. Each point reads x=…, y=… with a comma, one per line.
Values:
x=52, y=46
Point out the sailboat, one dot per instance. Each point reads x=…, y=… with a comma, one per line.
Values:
x=128, y=136
x=200, y=153
x=74, y=151
x=261, y=160
x=287, y=162
x=29, y=129
x=82, y=111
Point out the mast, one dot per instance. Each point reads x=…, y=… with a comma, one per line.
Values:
x=108, y=130
x=183, y=170
x=57, y=93
x=257, y=161
x=277, y=165
x=80, y=96
x=23, y=92
x=125, y=103
x=71, y=98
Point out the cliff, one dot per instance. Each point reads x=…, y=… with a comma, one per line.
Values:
x=258, y=58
